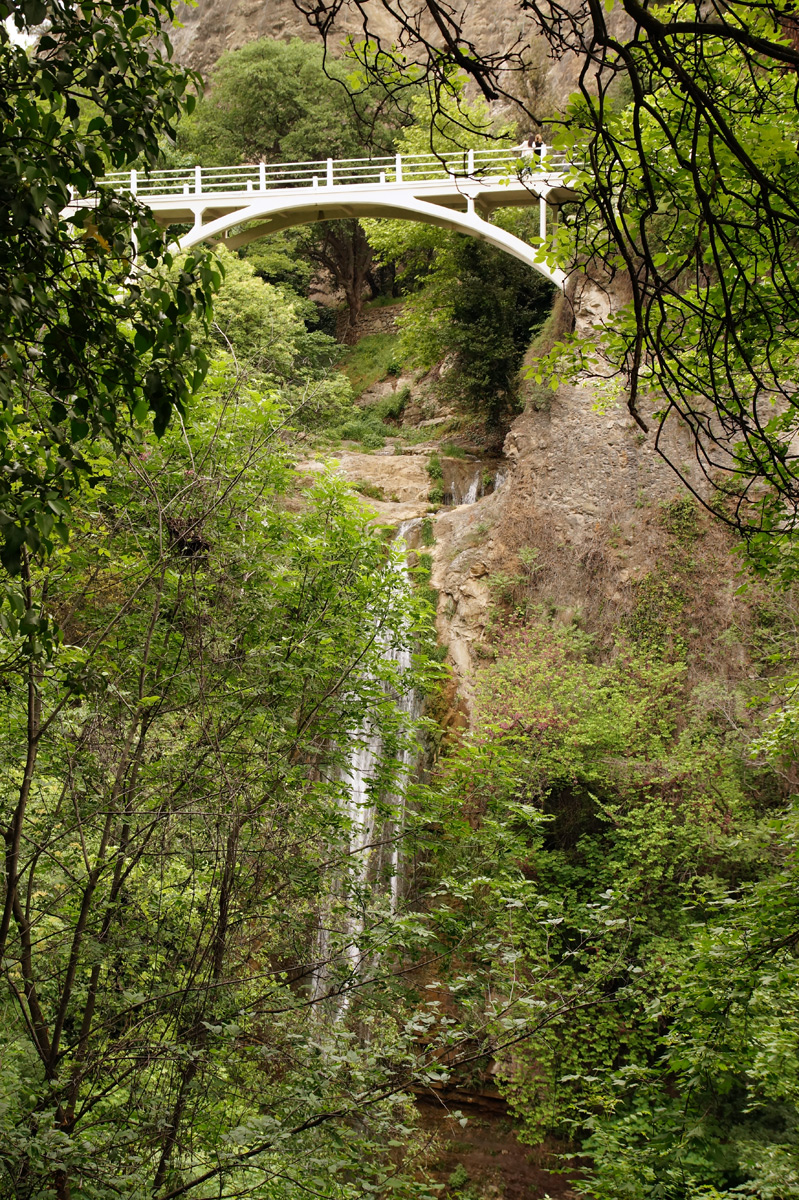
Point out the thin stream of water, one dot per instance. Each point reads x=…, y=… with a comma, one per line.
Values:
x=372, y=836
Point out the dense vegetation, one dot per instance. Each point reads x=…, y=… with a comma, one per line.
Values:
x=239, y=931
x=639, y=861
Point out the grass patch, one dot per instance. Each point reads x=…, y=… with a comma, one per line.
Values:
x=383, y=302
x=372, y=490
x=415, y=437
x=368, y=425
x=434, y=468
x=392, y=406
x=365, y=427
x=375, y=357
x=450, y=450
x=681, y=519
x=421, y=575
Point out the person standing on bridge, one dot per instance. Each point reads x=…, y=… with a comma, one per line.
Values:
x=531, y=148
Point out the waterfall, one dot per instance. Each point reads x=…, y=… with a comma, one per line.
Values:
x=470, y=495
x=467, y=481
x=410, y=705
x=370, y=831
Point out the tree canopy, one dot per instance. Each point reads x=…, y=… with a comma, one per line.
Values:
x=165, y=1014
x=283, y=101
x=89, y=350
x=238, y=933
x=466, y=301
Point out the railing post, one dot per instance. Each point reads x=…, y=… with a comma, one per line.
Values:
x=262, y=176
x=316, y=181
x=198, y=180
x=134, y=182
x=330, y=172
x=542, y=219
x=398, y=168
x=470, y=163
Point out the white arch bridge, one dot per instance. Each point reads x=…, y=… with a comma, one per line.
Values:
x=458, y=192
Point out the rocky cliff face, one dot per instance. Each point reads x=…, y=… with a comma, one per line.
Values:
x=577, y=513
x=577, y=509
x=213, y=26
x=217, y=25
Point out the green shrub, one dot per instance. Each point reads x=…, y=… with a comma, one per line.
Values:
x=367, y=488
x=434, y=468
x=393, y=405
x=450, y=450
x=365, y=427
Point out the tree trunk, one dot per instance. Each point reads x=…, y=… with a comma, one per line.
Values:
x=342, y=249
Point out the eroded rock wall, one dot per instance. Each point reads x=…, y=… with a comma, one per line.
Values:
x=213, y=26
x=580, y=503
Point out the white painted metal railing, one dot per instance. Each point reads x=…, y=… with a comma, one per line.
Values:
x=397, y=169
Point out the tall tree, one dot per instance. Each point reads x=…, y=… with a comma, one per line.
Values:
x=183, y=829
x=468, y=302
x=87, y=351
x=280, y=101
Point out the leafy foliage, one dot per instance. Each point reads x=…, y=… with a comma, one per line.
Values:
x=477, y=308
x=469, y=302
x=639, y=882
x=266, y=330
x=284, y=102
x=701, y=166
x=280, y=101
x=682, y=132
x=175, y=786
x=87, y=351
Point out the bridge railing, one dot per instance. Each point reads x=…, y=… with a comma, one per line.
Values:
x=405, y=168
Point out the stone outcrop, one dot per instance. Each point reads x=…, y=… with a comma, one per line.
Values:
x=371, y=320
x=401, y=479
x=576, y=509
x=213, y=26
x=582, y=484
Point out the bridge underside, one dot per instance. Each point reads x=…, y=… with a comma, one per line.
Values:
x=465, y=211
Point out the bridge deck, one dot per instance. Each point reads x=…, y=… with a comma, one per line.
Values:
x=483, y=179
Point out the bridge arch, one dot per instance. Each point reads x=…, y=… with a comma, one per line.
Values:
x=276, y=213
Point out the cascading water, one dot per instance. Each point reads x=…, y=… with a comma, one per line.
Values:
x=374, y=840
x=465, y=481
x=471, y=494
x=410, y=706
